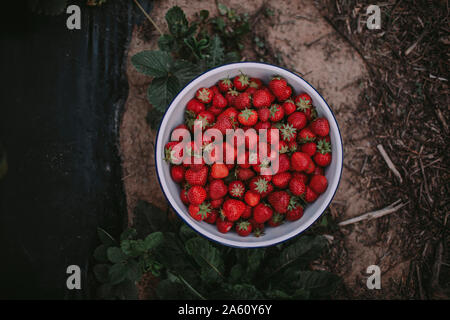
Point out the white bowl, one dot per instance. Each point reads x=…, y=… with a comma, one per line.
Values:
x=175, y=115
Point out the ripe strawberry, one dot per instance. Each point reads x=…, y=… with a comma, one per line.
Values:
x=320, y=127
x=297, y=120
x=223, y=225
x=271, y=96
x=207, y=119
x=247, y=212
x=214, y=89
x=283, y=146
x=194, y=107
x=280, y=89
x=233, y=209
x=255, y=83
x=306, y=135
x=295, y=212
x=300, y=161
x=173, y=152
x=297, y=186
x=318, y=184
x=196, y=195
x=276, y=220
x=250, y=90
x=242, y=101
x=230, y=96
x=309, y=148
x=262, y=125
x=300, y=175
x=241, y=82
x=211, y=217
x=262, y=213
x=230, y=113
x=281, y=180
x=289, y=107
x=323, y=155
x=252, y=198
x=219, y=101
x=243, y=228
x=288, y=132
x=248, y=117
x=310, y=195
x=217, y=189
x=217, y=203
x=263, y=114
x=236, y=189
x=219, y=171
x=311, y=167
x=245, y=174
x=318, y=170
x=261, y=185
x=293, y=146
x=261, y=98
x=196, y=177
x=177, y=173
x=204, y=95
x=284, y=163
x=215, y=110
x=199, y=212
x=225, y=85
x=183, y=195
x=279, y=200
x=276, y=113
x=224, y=123
x=303, y=102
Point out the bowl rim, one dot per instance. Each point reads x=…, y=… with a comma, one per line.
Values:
x=232, y=243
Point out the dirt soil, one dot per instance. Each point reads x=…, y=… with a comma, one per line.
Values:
x=298, y=37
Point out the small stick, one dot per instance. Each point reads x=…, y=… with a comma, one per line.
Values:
x=375, y=214
x=389, y=162
x=427, y=189
x=148, y=17
x=414, y=45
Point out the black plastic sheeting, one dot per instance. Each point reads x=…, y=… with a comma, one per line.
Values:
x=62, y=92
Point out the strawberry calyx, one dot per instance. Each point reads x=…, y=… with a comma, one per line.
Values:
x=323, y=146
x=204, y=94
x=287, y=131
x=294, y=202
x=277, y=218
x=204, y=210
x=261, y=185
x=237, y=190
x=244, y=79
x=243, y=225
x=274, y=109
x=247, y=113
x=303, y=104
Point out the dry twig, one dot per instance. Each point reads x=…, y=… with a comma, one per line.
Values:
x=375, y=214
x=389, y=162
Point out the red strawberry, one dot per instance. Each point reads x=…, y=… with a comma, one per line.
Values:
x=281, y=180
x=306, y=135
x=195, y=107
x=217, y=189
x=199, y=212
x=223, y=225
x=289, y=107
x=297, y=120
x=245, y=174
x=318, y=184
x=250, y=90
x=170, y=152
x=310, y=195
x=212, y=216
x=225, y=85
x=215, y=204
x=219, y=171
x=207, y=119
x=252, y=198
x=276, y=220
x=183, y=195
x=318, y=170
x=196, y=195
x=243, y=228
x=261, y=98
x=247, y=212
x=309, y=148
x=295, y=211
x=300, y=175
x=263, y=114
x=219, y=101
x=261, y=185
x=230, y=113
x=303, y=102
x=236, y=189
x=196, y=177
x=300, y=161
x=248, y=117
x=288, y=132
x=320, y=127
x=177, y=173
x=255, y=83
x=215, y=90
x=323, y=155
x=204, y=95
x=276, y=113
x=233, y=209
x=262, y=125
x=293, y=146
x=242, y=101
x=241, y=82
x=223, y=124
x=283, y=146
x=262, y=213
x=230, y=96
x=297, y=186
x=215, y=110
x=279, y=200
x=284, y=164
x=278, y=87
x=311, y=167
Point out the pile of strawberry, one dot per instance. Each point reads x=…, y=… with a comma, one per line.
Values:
x=238, y=195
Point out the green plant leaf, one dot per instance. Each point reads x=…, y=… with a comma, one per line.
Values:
x=128, y=233
x=215, y=52
x=242, y=292
x=166, y=43
x=185, y=71
x=115, y=255
x=134, y=272
x=117, y=273
x=126, y=290
x=162, y=91
x=156, y=218
x=152, y=63
x=177, y=22
x=236, y=273
x=223, y=9
x=204, y=14
x=105, y=237
x=170, y=290
x=133, y=248
x=305, y=283
x=186, y=233
x=207, y=257
x=100, y=253
x=153, y=240
x=101, y=272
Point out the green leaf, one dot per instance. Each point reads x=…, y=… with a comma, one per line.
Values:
x=207, y=257
x=153, y=240
x=166, y=43
x=156, y=218
x=105, y=237
x=100, y=253
x=128, y=233
x=133, y=272
x=162, y=91
x=126, y=290
x=101, y=272
x=204, y=14
x=243, y=292
x=185, y=71
x=223, y=9
x=177, y=22
x=236, y=273
x=133, y=248
x=186, y=233
x=117, y=273
x=169, y=290
x=215, y=52
x=152, y=63
x=115, y=255
x=319, y=284
x=231, y=57
x=278, y=295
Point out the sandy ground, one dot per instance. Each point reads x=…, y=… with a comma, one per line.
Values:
x=307, y=44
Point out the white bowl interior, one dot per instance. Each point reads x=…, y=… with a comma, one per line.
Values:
x=175, y=115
